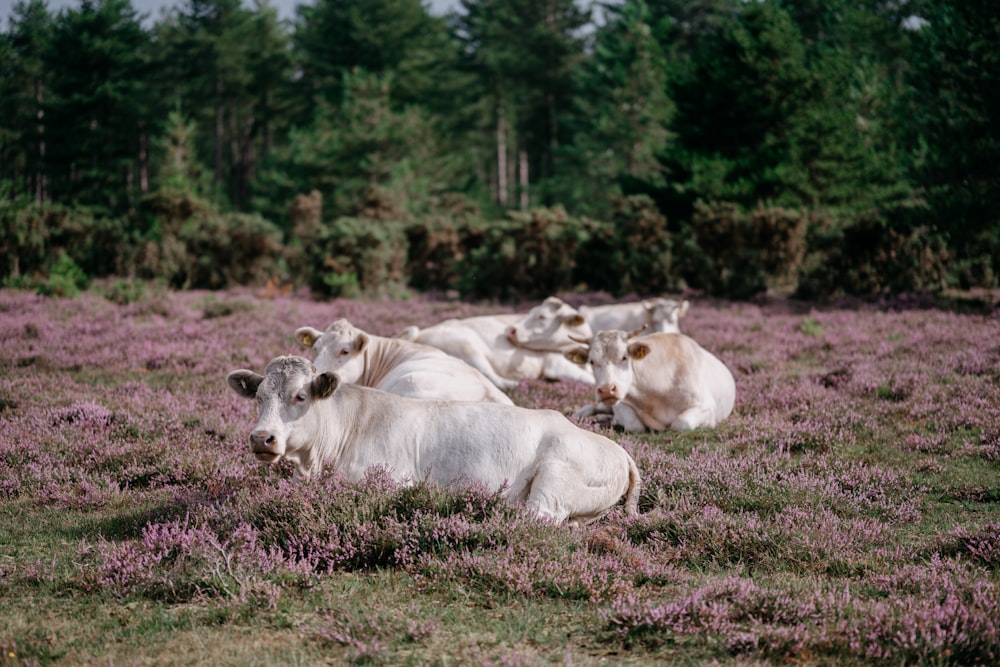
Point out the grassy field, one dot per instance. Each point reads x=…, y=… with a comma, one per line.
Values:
x=848, y=512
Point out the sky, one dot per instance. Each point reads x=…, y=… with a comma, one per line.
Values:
x=152, y=8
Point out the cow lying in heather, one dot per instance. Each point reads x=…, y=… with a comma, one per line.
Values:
x=560, y=471
x=655, y=382
x=396, y=366
x=657, y=315
x=555, y=326
x=482, y=342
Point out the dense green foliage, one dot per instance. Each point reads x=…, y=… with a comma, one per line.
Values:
x=512, y=148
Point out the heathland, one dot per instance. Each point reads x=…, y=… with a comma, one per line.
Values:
x=848, y=512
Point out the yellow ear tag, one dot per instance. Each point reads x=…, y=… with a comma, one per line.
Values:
x=308, y=340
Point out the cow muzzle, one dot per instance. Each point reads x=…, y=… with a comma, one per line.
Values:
x=264, y=446
x=608, y=394
x=512, y=335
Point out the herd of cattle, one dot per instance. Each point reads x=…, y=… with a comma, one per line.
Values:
x=428, y=403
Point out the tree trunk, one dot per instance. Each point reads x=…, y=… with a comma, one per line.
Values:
x=143, y=161
x=501, y=156
x=40, y=181
x=249, y=160
x=219, y=130
x=522, y=173
x=550, y=157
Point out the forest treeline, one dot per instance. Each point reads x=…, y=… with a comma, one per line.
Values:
x=512, y=148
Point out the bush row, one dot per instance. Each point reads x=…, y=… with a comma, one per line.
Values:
x=725, y=251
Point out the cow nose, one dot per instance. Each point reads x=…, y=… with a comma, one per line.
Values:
x=512, y=335
x=261, y=440
x=607, y=391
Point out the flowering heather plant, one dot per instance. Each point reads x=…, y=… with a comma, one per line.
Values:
x=847, y=512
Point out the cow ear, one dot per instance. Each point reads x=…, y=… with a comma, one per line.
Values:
x=638, y=350
x=307, y=336
x=578, y=355
x=324, y=384
x=244, y=383
x=361, y=341
x=682, y=310
x=574, y=321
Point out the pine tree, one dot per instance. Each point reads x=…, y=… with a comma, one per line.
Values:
x=524, y=53
x=334, y=37
x=955, y=106
x=361, y=154
x=620, y=116
x=229, y=65
x=23, y=93
x=96, y=65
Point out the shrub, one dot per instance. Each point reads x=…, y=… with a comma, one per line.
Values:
x=354, y=256
x=33, y=235
x=632, y=255
x=24, y=232
x=66, y=279
x=124, y=292
x=230, y=249
x=881, y=252
x=437, y=246
x=531, y=254
x=305, y=214
x=734, y=253
x=192, y=245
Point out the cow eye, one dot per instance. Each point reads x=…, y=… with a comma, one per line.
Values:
x=299, y=397
x=624, y=358
x=342, y=353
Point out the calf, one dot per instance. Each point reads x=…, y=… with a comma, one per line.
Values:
x=538, y=457
x=396, y=366
x=656, y=382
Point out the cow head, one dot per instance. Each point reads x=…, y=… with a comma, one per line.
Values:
x=665, y=314
x=340, y=348
x=548, y=327
x=610, y=355
x=284, y=395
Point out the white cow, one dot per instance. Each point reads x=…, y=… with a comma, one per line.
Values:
x=538, y=457
x=396, y=366
x=551, y=326
x=554, y=325
x=657, y=315
x=483, y=343
x=656, y=382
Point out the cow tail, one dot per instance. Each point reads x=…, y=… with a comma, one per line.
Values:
x=632, y=493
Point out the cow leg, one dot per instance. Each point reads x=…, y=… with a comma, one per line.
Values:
x=557, y=367
x=483, y=365
x=600, y=413
x=628, y=419
x=693, y=417
x=560, y=490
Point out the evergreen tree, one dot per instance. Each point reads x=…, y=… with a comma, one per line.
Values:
x=620, y=116
x=955, y=105
x=366, y=159
x=23, y=93
x=738, y=104
x=334, y=37
x=228, y=65
x=524, y=53
x=96, y=65
x=768, y=115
